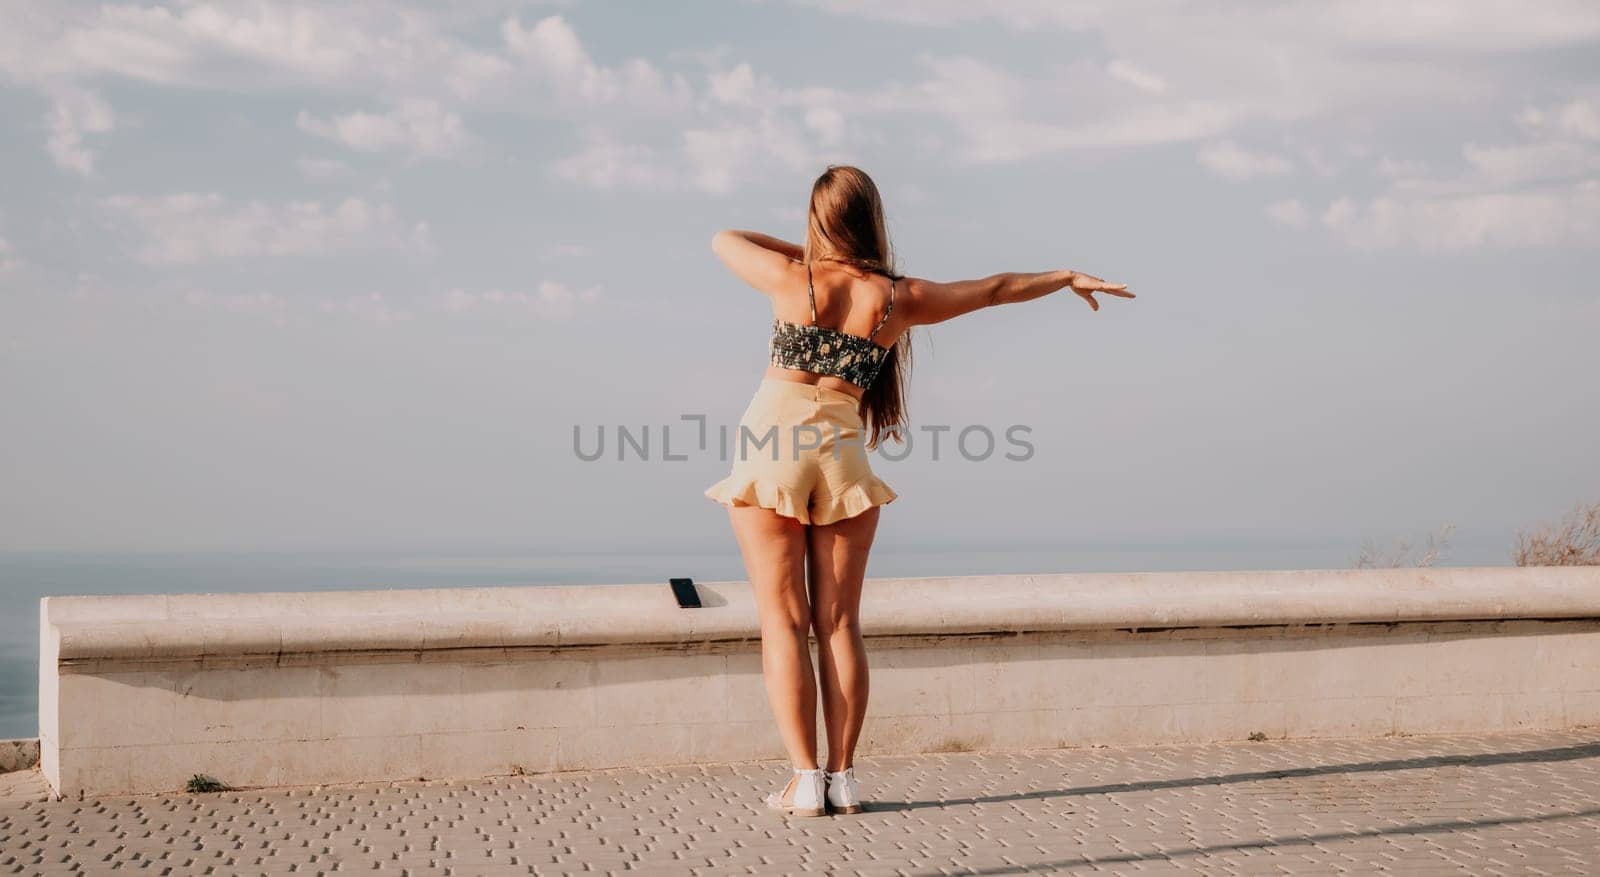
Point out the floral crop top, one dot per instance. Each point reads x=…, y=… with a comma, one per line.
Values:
x=824, y=351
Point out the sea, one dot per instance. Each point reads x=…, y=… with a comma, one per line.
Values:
x=26, y=576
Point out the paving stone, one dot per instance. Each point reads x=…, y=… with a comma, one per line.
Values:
x=1482, y=804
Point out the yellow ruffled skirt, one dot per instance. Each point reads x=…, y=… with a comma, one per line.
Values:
x=799, y=450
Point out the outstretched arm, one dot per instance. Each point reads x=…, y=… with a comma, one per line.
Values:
x=932, y=302
x=760, y=260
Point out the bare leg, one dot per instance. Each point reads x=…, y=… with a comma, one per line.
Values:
x=774, y=550
x=838, y=554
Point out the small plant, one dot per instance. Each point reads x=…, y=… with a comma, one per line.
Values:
x=1403, y=553
x=201, y=783
x=1574, y=540
x=1256, y=736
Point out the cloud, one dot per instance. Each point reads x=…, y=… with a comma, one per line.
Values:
x=372, y=307
x=1577, y=118
x=1566, y=216
x=1289, y=212
x=1481, y=25
x=249, y=45
x=1580, y=119
x=735, y=86
x=1257, y=66
x=828, y=123
x=74, y=113
x=1227, y=160
x=1477, y=25
x=1140, y=79
x=189, y=228
x=1544, y=192
x=603, y=163
x=712, y=160
x=999, y=118
x=1529, y=162
x=238, y=47
x=550, y=301
x=552, y=47
x=724, y=155
x=420, y=127
x=258, y=304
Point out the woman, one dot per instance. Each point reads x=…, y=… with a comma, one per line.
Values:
x=802, y=496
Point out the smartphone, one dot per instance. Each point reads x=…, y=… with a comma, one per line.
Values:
x=687, y=596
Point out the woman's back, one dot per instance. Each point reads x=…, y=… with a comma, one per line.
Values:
x=837, y=329
x=848, y=299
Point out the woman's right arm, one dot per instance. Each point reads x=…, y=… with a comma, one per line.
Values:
x=765, y=262
x=932, y=302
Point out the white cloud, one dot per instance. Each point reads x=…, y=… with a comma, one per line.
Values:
x=736, y=86
x=1484, y=25
x=250, y=45
x=418, y=126
x=239, y=47
x=1530, y=162
x=1257, y=65
x=1228, y=160
x=261, y=304
x=553, y=48
x=998, y=113
x=1578, y=118
x=1581, y=119
x=1544, y=192
x=1289, y=212
x=550, y=301
x=188, y=228
x=1478, y=25
x=828, y=123
x=74, y=113
x=724, y=155
x=710, y=159
x=603, y=163
x=372, y=307
x=1134, y=76
x=1558, y=217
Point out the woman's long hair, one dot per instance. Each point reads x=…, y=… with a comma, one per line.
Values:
x=845, y=224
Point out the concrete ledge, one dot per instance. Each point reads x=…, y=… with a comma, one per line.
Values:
x=138, y=693
x=199, y=625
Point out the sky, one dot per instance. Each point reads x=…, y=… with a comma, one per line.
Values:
x=339, y=275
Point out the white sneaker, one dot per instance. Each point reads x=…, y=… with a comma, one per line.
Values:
x=842, y=794
x=805, y=795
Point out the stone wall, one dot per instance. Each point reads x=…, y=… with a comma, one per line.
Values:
x=137, y=694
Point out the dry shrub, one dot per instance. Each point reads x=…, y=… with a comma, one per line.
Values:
x=1574, y=540
x=1402, y=553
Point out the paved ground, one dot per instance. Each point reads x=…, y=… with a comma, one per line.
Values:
x=1504, y=804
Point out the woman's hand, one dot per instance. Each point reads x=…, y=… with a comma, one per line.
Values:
x=1086, y=285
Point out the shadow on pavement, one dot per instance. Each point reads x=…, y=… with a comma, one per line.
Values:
x=1423, y=762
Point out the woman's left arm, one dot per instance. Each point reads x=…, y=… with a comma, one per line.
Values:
x=760, y=260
